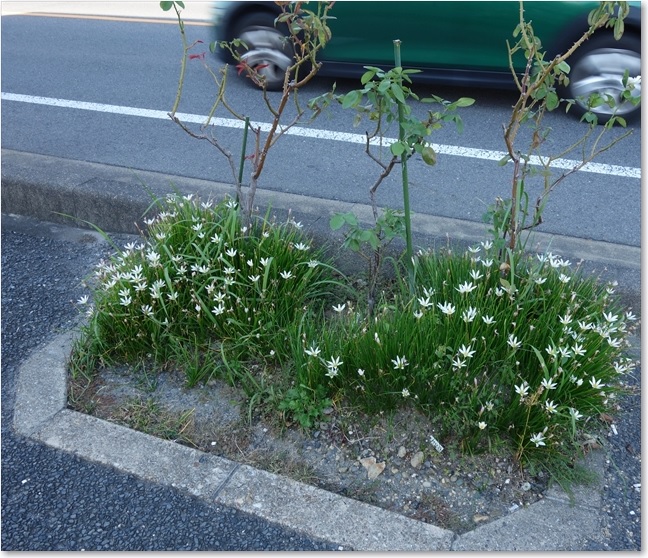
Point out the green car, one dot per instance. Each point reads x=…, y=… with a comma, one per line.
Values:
x=451, y=42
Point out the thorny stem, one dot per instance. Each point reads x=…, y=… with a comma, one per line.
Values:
x=526, y=101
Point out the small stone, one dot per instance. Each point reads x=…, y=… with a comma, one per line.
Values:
x=526, y=486
x=479, y=518
x=427, y=484
x=342, y=469
x=373, y=469
x=402, y=452
x=417, y=460
x=453, y=478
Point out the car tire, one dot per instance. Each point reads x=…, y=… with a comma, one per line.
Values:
x=598, y=66
x=269, y=49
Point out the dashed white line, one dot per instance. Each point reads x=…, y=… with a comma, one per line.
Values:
x=457, y=151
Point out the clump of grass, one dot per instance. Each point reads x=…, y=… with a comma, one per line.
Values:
x=525, y=355
x=201, y=283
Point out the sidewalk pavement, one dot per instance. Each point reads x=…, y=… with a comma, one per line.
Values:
x=115, y=199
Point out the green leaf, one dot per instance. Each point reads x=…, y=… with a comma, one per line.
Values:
x=563, y=67
x=337, y=221
x=429, y=155
x=397, y=148
x=397, y=92
x=166, y=6
x=505, y=283
x=464, y=102
x=552, y=101
x=352, y=98
x=504, y=160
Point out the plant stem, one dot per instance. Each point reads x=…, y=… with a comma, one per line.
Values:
x=406, y=201
x=243, y=149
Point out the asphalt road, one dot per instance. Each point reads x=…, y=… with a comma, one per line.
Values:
x=134, y=65
x=52, y=500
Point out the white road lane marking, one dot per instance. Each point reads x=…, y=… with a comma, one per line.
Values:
x=455, y=150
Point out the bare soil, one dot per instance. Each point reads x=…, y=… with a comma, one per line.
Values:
x=386, y=460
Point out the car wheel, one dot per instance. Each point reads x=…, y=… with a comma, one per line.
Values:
x=598, y=67
x=268, y=49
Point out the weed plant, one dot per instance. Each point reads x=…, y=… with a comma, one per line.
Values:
x=525, y=355
x=201, y=284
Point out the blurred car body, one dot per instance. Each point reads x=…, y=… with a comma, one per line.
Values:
x=451, y=42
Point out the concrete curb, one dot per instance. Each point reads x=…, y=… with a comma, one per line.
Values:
x=554, y=523
x=115, y=199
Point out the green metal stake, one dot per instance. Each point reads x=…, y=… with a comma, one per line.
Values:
x=406, y=200
x=245, y=135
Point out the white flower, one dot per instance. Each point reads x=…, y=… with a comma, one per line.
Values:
x=522, y=389
x=548, y=383
x=630, y=317
x=513, y=341
x=339, y=308
x=482, y=425
x=550, y=407
x=231, y=252
x=634, y=81
x=265, y=262
x=254, y=278
x=566, y=319
x=487, y=262
x=466, y=352
x=312, y=351
x=540, y=280
x=147, y=310
x=448, y=308
x=474, y=249
x=610, y=318
x=250, y=263
x=215, y=239
x=564, y=278
x=578, y=350
x=476, y=274
x=376, y=338
x=596, y=384
x=469, y=314
x=538, y=439
x=400, y=363
x=153, y=258
x=466, y=287
x=458, y=363
x=83, y=300
x=564, y=352
x=313, y=263
x=425, y=302
x=361, y=372
x=488, y=320
x=405, y=392
x=333, y=366
x=218, y=310
x=489, y=405
x=575, y=414
x=286, y=274
x=552, y=351
x=302, y=247
x=418, y=314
